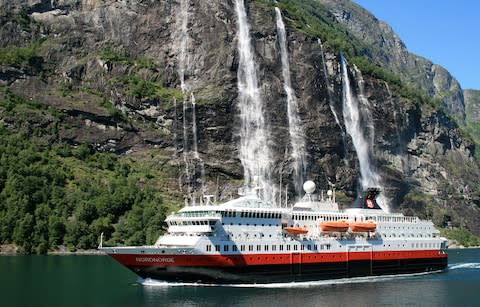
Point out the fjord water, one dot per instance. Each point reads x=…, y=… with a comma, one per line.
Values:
x=100, y=281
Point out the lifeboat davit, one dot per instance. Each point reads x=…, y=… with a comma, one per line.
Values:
x=367, y=226
x=296, y=230
x=334, y=226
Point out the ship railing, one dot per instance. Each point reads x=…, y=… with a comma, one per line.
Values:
x=207, y=215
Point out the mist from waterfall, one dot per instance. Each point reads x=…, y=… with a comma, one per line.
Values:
x=356, y=128
x=255, y=154
x=297, y=141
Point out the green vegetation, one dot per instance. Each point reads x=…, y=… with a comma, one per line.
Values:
x=21, y=57
x=111, y=55
x=56, y=194
x=462, y=236
x=138, y=87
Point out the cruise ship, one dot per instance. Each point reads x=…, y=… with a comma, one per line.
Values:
x=247, y=240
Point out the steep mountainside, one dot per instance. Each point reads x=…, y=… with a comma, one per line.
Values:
x=472, y=104
x=472, y=108
x=390, y=52
x=155, y=84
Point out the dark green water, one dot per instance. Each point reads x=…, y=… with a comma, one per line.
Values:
x=100, y=281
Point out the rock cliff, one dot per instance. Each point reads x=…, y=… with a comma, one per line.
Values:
x=390, y=52
x=112, y=69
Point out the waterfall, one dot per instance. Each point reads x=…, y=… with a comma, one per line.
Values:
x=191, y=164
x=195, y=143
x=295, y=130
x=254, y=152
x=356, y=129
x=182, y=61
x=185, y=139
x=182, y=37
x=194, y=126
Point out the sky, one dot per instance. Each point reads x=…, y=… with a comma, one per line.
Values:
x=446, y=32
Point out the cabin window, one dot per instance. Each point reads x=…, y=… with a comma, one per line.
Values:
x=315, y=247
x=209, y=248
x=259, y=247
x=281, y=247
x=250, y=247
x=234, y=248
x=302, y=247
x=217, y=248
x=266, y=248
x=225, y=248
x=242, y=248
x=309, y=247
x=288, y=247
x=274, y=247
x=295, y=247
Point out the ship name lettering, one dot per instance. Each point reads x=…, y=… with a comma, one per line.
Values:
x=155, y=259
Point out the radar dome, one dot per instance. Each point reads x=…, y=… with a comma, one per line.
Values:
x=309, y=187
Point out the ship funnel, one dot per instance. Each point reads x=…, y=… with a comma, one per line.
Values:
x=368, y=199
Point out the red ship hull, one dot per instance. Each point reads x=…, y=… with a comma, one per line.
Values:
x=268, y=268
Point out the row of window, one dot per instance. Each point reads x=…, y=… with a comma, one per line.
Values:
x=266, y=248
x=191, y=223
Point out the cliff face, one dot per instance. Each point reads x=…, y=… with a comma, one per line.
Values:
x=113, y=69
x=390, y=52
x=472, y=105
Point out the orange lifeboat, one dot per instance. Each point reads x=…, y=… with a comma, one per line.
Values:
x=296, y=230
x=334, y=226
x=367, y=226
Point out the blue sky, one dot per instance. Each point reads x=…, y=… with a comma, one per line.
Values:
x=444, y=31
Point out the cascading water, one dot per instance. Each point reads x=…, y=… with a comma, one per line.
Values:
x=194, y=126
x=356, y=129
x=295, y=130
x=195, y=143
x=185, y=139
x=182, y=61
x=254, y=151
x=182, y=64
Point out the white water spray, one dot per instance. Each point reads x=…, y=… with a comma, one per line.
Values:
x=356, y=129
x=183, y=59
x=182, y=22
x=254, y=151
x=185, y=139
x=194, y=126
x=294, y=124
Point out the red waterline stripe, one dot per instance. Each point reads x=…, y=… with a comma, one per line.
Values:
x=270, y=259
